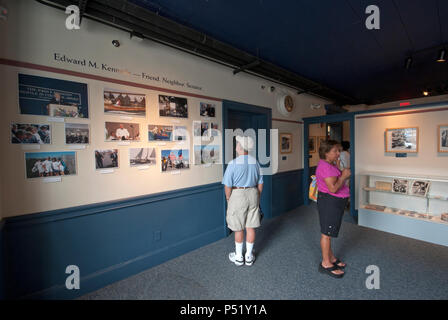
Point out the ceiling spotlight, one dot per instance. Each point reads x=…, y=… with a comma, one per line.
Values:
x=426, y=92
x=408, y=62
x=442, y=54
x=116, y=43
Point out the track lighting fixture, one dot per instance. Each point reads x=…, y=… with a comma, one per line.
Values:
x=442, y=54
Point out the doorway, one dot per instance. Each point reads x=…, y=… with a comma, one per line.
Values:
x=244, y=116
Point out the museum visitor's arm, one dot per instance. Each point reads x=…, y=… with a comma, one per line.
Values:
x=335, y=183
x=228, y=191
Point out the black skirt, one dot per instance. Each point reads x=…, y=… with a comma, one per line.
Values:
x=331, y=209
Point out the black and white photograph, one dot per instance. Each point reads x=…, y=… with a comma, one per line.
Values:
x=158, y=132
x=172, y=160
x=106, y=159
x=170, y=106
x=443, y=138
x=285, y=143
x=124, y=103
x=77, y=133
x=26, y=133
x=312, y=144
x=402, y=140
x=420, y=188
x=207, y=109
x=201, y=129
x=180, y=133
x=205, y=154
x=142, y=156
x=400, y=186
x=214, y=129
x=121, y=131
x=50, y=164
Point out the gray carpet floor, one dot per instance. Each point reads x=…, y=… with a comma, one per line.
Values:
x=287, y=256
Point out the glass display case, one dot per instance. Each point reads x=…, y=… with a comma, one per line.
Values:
x=411, y=205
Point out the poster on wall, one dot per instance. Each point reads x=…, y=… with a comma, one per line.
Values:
x=285, y=143
x=180, y=133
x=50, y=164
x=443, y=138
x=312, y=144
x=175, y=160
x=205, y=154
x=124, y=103
x=121, y=131
x=106, y=159
x=142, y=157
x=77, y=133
x=27, y=133
x=402, y=140
x=52, y=97
x=207, y=110
x=170, y=106
x=159, y=133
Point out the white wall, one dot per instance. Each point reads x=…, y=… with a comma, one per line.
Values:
x=33, y=33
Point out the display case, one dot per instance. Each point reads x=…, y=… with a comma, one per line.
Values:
x=415, y=206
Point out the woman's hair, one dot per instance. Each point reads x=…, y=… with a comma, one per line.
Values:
x=345, y=145
x=326, y=146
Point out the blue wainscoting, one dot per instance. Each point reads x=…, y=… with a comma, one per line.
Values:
x=2, y=276
x=287, y=191
x=108, y=241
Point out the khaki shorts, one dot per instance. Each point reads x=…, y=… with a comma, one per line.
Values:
x=243, y=209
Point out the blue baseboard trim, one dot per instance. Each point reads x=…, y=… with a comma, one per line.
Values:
x=104, y=277
x=108, y=241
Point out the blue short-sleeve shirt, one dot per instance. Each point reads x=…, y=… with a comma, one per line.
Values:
x=243, y=171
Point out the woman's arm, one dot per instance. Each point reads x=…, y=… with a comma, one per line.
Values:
x=335, y=183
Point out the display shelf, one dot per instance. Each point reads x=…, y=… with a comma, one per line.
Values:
x=415, y=213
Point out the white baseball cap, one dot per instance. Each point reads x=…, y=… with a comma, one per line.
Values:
x=247, y=143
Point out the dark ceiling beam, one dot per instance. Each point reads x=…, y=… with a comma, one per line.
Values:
x=132, y=18
x=82, y=4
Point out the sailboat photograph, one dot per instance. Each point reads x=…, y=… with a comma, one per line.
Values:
x=142, y=156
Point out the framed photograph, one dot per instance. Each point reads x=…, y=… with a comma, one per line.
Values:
x=443, y=138
x=121, y=131
x=400, y=186
x=201, y=129
x=52, y=97
x=285, y=142
x=124, y=103
x=170, y=106
x=27, y=133
x=214, y=129
x=50, y=164
x=319, y=141
x=180, y=133
x=402, y=140
x=142, y=156
x=205, y=154
x=77, y=133
x=207, y=110
x=419, y=188
x=106, y=159
x=312, y=147
x=175, y=160
x=160, y=133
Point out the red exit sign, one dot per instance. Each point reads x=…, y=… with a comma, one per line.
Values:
x=404, y=104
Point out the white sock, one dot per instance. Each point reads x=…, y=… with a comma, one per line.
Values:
x=249, y=247
x=239, y=249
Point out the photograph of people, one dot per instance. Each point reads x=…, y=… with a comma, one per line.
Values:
x=333, y=194
x=106, y=159
x=30, y=133
x=50, y=164
x=120, y=131
x=175, y=159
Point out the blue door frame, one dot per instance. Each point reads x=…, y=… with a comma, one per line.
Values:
x=306, y=168
x=262, y=119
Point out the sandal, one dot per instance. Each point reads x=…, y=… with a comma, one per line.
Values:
x=337, y=262
x=329, y=270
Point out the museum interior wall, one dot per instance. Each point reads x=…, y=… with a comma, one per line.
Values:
x=116, y=223
x=316, y=131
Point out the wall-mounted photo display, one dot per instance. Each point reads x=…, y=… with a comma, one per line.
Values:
x=50, y=164
x=214, y=129
x=175, y=159
x=170, y=106
x=285, y=143
x=443, y=138
x=207, y=109
x=400, y=186
x=124, y=103
x=419, y=188
x=201, y=129
x=180, y=133
x=142, y=157
x=106, y=159
x=205, y=154
x=77, y=133
x=160, y=133
x=26, y=133
x=52, y=97
x=312, y=144
x=122, y=131
x=402, y=140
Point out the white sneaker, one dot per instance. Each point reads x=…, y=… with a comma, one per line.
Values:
x=250, y=260
x=239, y=261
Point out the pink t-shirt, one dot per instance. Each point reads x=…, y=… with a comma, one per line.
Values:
x=325, y=170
